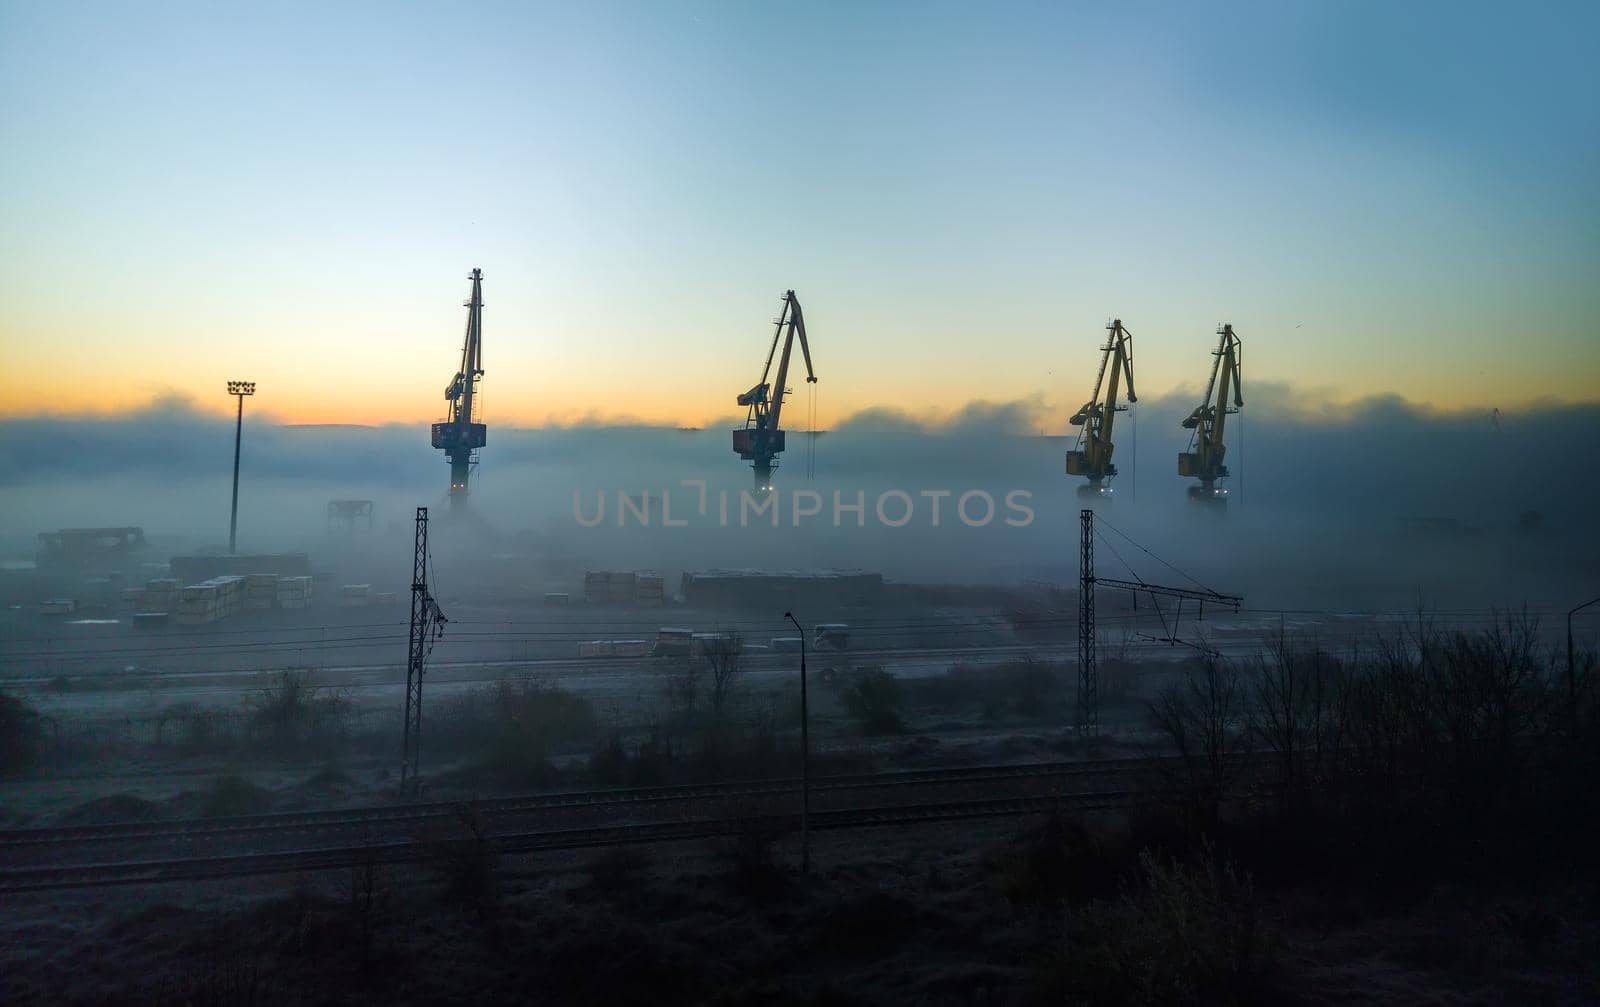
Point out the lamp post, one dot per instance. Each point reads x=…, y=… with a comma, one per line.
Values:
x=1572, y=675
x=238, y=389
x=805, y=756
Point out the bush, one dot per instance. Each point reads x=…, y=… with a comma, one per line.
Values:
x=608, y=762
x=1028, y=687
x=232, y=795
x=293, y=710
x=1059, y=861
x=21, y=736
x=873, y=698
x=513, y=726
x=1185, y=934
x=749, y=851
x=469, y=865
x=616, y=871
x=198, y=730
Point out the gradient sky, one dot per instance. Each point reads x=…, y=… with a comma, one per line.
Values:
x=1383, y=198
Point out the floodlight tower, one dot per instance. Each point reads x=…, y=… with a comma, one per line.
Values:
x=238, y=389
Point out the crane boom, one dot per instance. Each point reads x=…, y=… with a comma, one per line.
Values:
x=1097, y=417
x=462, y=434
x=761, y=439
x=1204, y=459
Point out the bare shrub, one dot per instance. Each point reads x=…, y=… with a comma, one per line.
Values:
x=293, y=711
x=226, y=971
x=1184, y=934
x=512, y=726
x=1297, y=708
x=608, y=762
x=197, y=730
x=1119, y=665
x=468, y=864
x=1055, y=861
x=721, y=654
x=682, y=676
x=873, y=699
x=615, y=871
x=22, y=736
x=231, y=795
x=750, y=854
x=369, y=901
x=1028, y=687
x=1201, y=718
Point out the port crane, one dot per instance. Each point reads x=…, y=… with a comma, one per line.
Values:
x=462, y=433
x=760, y=440
x=1092, y=455
x=1204, y=459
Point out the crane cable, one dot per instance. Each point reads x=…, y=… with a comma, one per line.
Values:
x=811, y=435
x=1158, y=559
x=1241, y=457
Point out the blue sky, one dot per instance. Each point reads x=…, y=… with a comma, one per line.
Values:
x=1381, y=198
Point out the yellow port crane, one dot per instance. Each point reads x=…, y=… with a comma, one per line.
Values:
x=1203, y=460
x=463, y=431
x=1092, y=455
x=761, y=439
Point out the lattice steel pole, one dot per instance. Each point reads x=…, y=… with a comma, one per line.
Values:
x=420, y=622
x=1088, y=669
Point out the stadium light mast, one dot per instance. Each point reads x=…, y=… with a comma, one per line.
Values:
x=238, y=389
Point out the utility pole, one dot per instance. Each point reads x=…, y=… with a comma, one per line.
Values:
x=238, y=389
x=1572, y=674
x=427, y=622
x=805, y=757
x=1088, y=669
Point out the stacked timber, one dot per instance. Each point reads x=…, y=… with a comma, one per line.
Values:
x=160, y=595
x=621, y=585
x=650, y=588
x=294, y=592
x=210, y=600
x=781, y=589
x=260, y=590
x=614, y=648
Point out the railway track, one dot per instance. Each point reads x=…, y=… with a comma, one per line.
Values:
x=331, y=858
x=496, y=667
x=418, y=813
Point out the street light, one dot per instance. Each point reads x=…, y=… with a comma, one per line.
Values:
x=238, y=389
x=805, y=756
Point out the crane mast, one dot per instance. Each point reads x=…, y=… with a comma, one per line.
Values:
x=1204, y=459
x=1091, y=457
x=760, y=440
x=462, y=433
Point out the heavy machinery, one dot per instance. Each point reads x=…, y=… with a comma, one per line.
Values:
x=462, y=433
x=1204, y=459
x=1092, y=456
x=760, y=440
